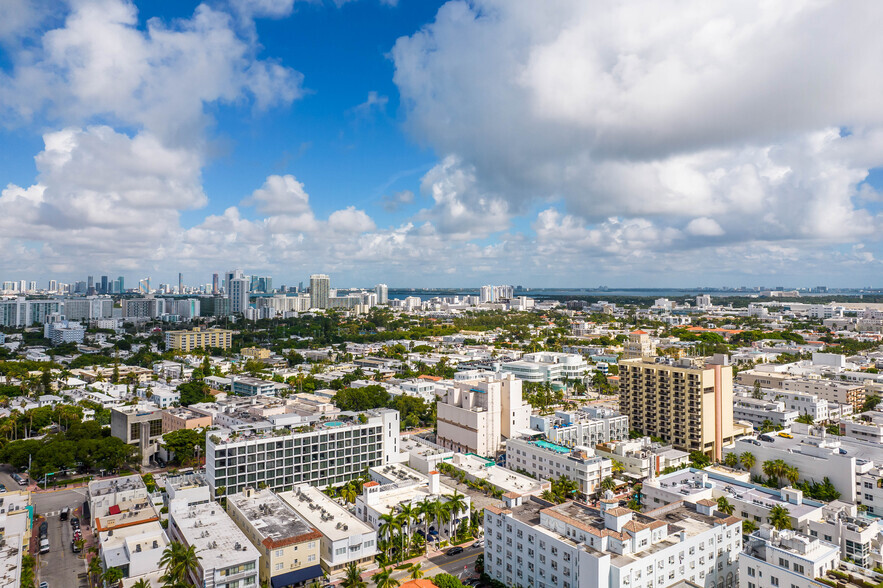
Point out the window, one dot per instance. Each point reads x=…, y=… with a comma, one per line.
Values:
x=279, y=552
x=278, y=566
x=774, y=581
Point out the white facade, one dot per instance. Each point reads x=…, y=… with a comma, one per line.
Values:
x=227, y=557
x=573, y=545
x=238, y=295
x=585, y=427
x=547, y=366
x=475, y=415
x=345, y=538
x=382, y=291
x=327, y=454
x=544, y=460
x=785, y=559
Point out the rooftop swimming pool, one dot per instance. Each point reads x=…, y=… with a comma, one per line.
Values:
x=552, y=446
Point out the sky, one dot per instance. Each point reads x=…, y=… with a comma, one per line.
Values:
x=651, y=143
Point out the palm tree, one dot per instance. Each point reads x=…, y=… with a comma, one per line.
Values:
x=442, y=515
x=608, y=483
x=731, y=460
x=792, y=474
x=388, y=526
x=405, y=518
x=724, y=506
x=95, y=566
x=142, y=583
x=425, y=510
x=456, y=504
x=748, y=460
x=780, y=517
x=112, y=576
x=179, y=562
x=384, y=579
x=349, y=493
x=748, y=527
x=415, y=571
x=353, y=577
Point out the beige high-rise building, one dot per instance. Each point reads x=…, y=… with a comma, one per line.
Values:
x=639, y=345
x=687, y=402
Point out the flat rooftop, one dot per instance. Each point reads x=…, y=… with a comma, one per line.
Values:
x=498, y=476
x=271, y=516
x=186, y=481
x=214, y=535
x=116, y=549
x=113, y=485
x=323, y=513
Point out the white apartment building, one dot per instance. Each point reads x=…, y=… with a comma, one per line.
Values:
x=544, y=460
x=187, y=489
x=855, y=535
x=573, y=545
x=802, y=402
x=325, y=453
x=785, y=559
x=757, y=411
x=815, y=458
x=239, y=295
x=136, y=550
x=475, y=415
x=589, y=426
x=20, y=312
x=836, y=392
x=227, y=557
x=396, y=485
x=750, y=501
x=547, y=366
x=345, y=539
x=88, y=308
x=641, y=457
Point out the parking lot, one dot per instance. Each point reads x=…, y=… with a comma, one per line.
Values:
x=61, y=567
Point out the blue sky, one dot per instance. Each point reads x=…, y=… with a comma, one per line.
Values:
x=426, y=143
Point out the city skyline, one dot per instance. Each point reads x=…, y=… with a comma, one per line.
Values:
x=364, y=139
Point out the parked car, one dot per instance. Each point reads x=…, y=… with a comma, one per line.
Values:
x=20, y=480
x=786, y=435
x=455, y=551
x=75, y=522
x=74, y=547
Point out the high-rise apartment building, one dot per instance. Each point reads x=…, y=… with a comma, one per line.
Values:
x=122, y=287
x=104, y=285
x=238, y=295
x=688, y=402
x=53, y=286
x=144, y=285
x=382, y=291
x=475, y=415
x=214, y=283
x=180, y=283
x=320, y=290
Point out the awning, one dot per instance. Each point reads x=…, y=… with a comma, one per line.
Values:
x=296, y=577
x=114, y=510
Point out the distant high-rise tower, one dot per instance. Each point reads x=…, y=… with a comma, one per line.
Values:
x=382, y=292
x=229, y=277
x=53, y=286
x=214, y=283
x=180, y=283
x=144, y=285
x=103, y=285
x=91, y=285
x=320, y=290
x=122, y=287
x=238, y=295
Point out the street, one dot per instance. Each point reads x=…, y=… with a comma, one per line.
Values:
x=61, y=567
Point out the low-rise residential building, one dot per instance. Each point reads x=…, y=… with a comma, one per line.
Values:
x=288, y=544
x=785, y=559
x=345, y=539
x=227, y=557
x=485, y=471
x=395, y=485
x=135, y=550
x=588, y=427
x=187, y=489
x=639, y=456
x=544, y=460
x=249, y=386
x=759, y=411
x=16, y=528
x=856, y=535
x=181, y=417
x=199, y=338
x=116, y=503
x=830, y=390
x=256, y=353
x=570, y=545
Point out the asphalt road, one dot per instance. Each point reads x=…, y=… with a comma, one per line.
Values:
x=6, y=478
x=52, y=502
x=61, y=567
x=444, y=564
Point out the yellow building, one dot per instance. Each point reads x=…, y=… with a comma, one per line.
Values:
x=255, y=353
x=289, y=545
x=199, y=338
x=687, y=402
